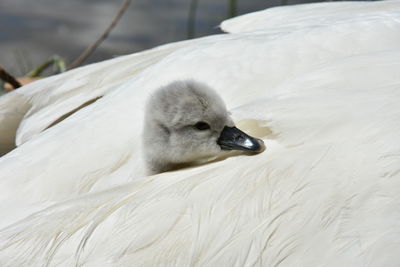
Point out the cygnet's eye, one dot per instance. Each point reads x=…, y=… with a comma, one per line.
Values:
x=202, y=126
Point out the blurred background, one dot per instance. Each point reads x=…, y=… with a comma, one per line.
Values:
x=32, y=31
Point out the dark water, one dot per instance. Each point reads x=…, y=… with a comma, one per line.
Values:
x=31, y=31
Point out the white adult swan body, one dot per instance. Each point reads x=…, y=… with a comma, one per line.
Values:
x=321, y=90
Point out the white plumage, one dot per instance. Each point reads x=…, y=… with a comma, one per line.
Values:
x=322, y=91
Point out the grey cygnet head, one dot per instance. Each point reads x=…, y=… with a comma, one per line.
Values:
x=186, y=121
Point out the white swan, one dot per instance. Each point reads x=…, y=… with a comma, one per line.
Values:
x=323, y=97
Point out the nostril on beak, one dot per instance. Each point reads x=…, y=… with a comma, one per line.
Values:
x=239, y=138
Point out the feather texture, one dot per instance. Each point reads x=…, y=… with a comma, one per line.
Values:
x=323, y=97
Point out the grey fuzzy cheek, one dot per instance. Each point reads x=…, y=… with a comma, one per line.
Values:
x=164, y=130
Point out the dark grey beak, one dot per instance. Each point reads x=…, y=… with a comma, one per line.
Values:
x=232, y=138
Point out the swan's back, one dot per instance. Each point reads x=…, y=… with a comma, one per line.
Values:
x=275, y=59
x=324, y=193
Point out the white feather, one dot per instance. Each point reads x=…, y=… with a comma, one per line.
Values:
x=326, y=192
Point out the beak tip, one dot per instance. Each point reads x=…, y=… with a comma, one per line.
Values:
x=262, y=146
